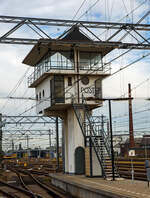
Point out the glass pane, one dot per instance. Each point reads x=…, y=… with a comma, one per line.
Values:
x=59, y=88
x=90, y=60
x=98, y=88
x=61, y=60
x=84, y=60
x=54, y=60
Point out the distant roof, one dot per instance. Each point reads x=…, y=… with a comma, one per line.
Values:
x=136, y=140
x=145, y=140
x=72, y=38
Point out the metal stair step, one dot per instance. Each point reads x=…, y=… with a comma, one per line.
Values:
x=100, y=143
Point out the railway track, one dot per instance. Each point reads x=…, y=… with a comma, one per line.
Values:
x=37, y=172
x=26, y=187
x=12, y=191
x=127, y=165
x=39, y=189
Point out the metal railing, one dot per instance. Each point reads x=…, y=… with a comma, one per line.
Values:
x=63, y=65
x=43, y=68
x=99, y=139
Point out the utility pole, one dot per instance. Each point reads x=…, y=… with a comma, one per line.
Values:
x=111, y=140
x=108, y=129
x=50, y=143
x=27, y=141
x=1, y=136
x=102, y=120
x=12, y=143
x=28, y=152
x=131, y=135
x=63, y=146
x=57, y=142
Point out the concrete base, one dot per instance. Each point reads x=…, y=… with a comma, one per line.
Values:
x=73, y=138
x=83, y=187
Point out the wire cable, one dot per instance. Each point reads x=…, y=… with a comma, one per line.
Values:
x=78, y=10
x=88, y=9
x=15, y=88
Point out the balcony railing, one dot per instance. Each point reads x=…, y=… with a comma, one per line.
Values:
x=41, y=69
x=90, y=66
x=60, y=65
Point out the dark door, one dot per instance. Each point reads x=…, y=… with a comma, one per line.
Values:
x=79, y=161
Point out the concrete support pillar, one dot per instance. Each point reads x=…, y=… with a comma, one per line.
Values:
x=73, y=138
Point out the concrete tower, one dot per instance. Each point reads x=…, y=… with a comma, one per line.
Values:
x=65, y=70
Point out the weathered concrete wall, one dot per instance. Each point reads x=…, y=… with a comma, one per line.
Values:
x=73, y=139
x=97, y=170
x=45, y=101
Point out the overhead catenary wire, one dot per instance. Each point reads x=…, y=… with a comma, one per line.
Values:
x=15, y=87
x=137, y=86
x=66, y=91
x=94, y=4
x=113, y=60
x=125, y=7
x=128, y=65
x=138, y=98
x=78, y=10
x=127, y=14
x=80, y=16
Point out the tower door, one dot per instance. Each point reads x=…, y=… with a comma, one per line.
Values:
x=79, y=161
x=57, y=89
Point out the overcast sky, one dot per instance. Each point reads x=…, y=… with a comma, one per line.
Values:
x=11, y=56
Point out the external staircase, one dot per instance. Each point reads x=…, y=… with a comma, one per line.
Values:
x=99, y=140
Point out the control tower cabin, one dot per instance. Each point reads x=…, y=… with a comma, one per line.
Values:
x=65, y=70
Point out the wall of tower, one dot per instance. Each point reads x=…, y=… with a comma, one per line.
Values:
x=43, y=100
x=74, y=87
x=73, y=138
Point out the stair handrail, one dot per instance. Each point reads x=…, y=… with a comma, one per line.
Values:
x=101, y=160
x=93, y=134
x=93, y=128
x=78, y=115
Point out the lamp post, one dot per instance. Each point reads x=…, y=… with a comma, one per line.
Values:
x=111, y=140
x=57, y=142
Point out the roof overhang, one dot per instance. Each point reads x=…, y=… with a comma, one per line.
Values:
x=45, y=45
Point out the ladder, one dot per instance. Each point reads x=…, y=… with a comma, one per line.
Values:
x=98, y=138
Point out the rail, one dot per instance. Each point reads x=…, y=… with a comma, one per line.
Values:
x=61, y=65
x=52, y=190
x=26, y=192
x=43, y=68
x=10, y=195
x=33, y=195
x=126, y=165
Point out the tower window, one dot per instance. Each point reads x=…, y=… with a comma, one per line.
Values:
x=43, y=93
x=69, y=81
x=40, y=95
x=37, y=97
x=98, y=88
